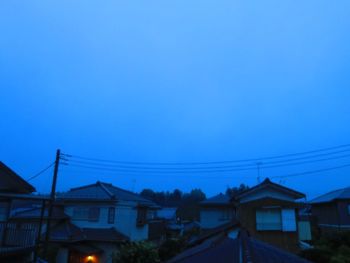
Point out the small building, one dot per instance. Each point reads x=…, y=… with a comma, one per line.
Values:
x=215, y=211
x=332, y=210
x=269, y=212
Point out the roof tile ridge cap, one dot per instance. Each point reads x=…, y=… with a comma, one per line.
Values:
x=246, y=249
x=106, y=190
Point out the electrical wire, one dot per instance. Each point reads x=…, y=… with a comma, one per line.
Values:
x=215, y=162
x=227, y=168
x=41, y=172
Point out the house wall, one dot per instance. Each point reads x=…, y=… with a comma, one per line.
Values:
x=246, y=214
x=124, y=220
x=211, y=217
x=333, y=214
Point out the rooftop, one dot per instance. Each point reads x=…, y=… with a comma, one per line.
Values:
x=101, y=191
x=11, y=182
x=343, y=193
x=268, y=183
x=224, y=249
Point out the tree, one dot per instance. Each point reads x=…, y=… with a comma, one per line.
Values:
x=136, y=252
x=231, y=192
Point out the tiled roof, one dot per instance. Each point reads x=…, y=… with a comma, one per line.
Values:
x=219, y=199
x=68, y=232
x=224, y=249
x=104, y=191
x=268, y=183
x=333, y=195
x=11, y=182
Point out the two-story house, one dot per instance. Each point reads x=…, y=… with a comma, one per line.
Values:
x=101, y=216
x=17, y=243
x=332, y=210
x=268, y=211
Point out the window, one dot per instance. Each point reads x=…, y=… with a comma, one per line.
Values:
x=225, y=214
x=91, y=214
x=288, y=220
x=268, y=219
x=111, y=215
x=141, y=216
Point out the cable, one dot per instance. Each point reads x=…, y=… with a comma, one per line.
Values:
x=245, y=166
x=39, y=173
x=198, y=170
x=216, y=162
x=313, y=171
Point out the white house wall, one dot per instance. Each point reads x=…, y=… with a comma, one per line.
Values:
x=210, y=218
x=124, y=221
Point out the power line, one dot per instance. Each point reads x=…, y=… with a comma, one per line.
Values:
x=215, y=162
x=39, y=173
x=313, y=171
x=198, y=170
x=216, y=168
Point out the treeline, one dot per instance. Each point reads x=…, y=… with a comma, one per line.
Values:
x=187, y=203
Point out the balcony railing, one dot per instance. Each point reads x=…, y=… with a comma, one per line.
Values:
x=17, y=235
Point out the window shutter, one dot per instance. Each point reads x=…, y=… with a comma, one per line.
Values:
x=288, y=220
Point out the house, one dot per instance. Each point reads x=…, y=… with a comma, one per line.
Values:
x=229, y=244
x=332, y=210
x=268, y=211
x=17, y=242
x=216, y=211
x=101, y=216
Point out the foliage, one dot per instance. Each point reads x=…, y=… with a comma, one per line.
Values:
x=187, y=203
x=136, y=252
x=231, y=192
x=330, y=248
x=171, y=248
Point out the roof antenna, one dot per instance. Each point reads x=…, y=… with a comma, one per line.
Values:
x=258, y=164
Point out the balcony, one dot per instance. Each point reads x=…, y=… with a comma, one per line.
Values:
x=14, y=237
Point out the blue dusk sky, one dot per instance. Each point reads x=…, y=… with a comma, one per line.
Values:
x=174, y=81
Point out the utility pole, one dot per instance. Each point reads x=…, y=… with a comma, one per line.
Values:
x=51, y=202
